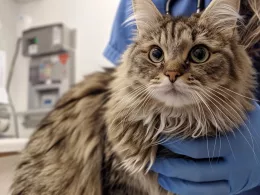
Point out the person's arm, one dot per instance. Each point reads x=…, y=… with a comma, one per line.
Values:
x=120, y=38
x=223, y=165
x=121, y=34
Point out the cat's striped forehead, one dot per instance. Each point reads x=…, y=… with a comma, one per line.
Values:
x=182, y=29
x=176, y=36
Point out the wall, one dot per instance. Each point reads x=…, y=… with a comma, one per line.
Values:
x=8, y=18
x=7, y=170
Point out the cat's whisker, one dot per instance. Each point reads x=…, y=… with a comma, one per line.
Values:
x=252, y=147
x=118, y=87
x=257, y=144
x=196, y=103
x=241, y=118
x=219, y=90
x=237, y=119
x=136, y=106
x=165, y=139
x=130, y=109
x=256, y=132
x=206, y=131
x=138, y=91
x=133, y=106
x=217, y=107
x=238, y=109
x=202, y=99
x=220, y=144
x=201, y=111
x=230, y=146
x=215, y=143
x=242, y=111
x=204, y=115
x=121, y=89
x=221, y=105
x=150, y=93
x=239, y=94
x=133, y=94
x=148, y=98
x=143, y=103
x=208, y=107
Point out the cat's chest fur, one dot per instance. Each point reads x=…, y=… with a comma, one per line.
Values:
x=116, y=180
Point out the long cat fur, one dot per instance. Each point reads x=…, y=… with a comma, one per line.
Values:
x=102, y=135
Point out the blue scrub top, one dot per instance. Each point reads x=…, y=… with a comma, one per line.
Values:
x=121, y=36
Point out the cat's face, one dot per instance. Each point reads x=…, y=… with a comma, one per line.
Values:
x=180, y=61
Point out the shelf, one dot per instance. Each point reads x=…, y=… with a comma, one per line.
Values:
x=34, y=112
x=33, y=117
x=9, y=145
x=46, y=87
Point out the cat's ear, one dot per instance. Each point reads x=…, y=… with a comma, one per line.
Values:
x=145, y=14
x=223, y=14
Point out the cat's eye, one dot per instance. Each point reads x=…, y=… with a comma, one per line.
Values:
x=156, y=55
x=199, y=54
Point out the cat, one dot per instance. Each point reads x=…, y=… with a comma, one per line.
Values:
x=183, y=77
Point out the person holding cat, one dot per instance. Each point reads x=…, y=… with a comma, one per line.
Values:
x=237, y=168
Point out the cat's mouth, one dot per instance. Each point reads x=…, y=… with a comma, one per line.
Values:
x=172, y=90
x=177, y=88
x=173, y=94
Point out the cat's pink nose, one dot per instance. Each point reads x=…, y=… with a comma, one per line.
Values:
x=172, y=75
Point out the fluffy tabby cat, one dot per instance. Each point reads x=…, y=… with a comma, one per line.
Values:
x=185, y=77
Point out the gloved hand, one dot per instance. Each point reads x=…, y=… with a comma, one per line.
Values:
x=219, y=166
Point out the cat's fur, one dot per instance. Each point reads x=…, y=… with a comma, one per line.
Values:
x=103, y=134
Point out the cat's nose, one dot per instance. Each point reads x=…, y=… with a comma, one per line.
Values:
x=172, y=75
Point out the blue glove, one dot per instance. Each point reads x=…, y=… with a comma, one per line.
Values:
x=218, y=166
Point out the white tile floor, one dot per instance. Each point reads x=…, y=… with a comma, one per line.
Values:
x=7, y=167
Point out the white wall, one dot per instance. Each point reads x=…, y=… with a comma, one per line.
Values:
x=8, y=15
x=7, y=170
x=8, y=18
